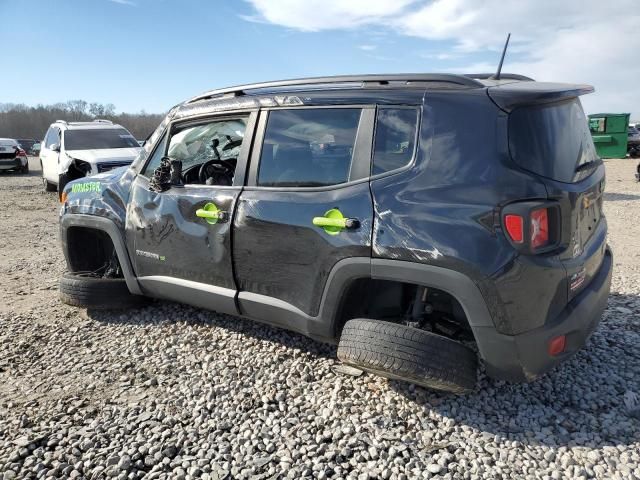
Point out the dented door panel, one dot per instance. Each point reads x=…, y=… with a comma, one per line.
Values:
x=170, y=240
x=280, y=253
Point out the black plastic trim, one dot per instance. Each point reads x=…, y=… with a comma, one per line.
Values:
x=524, y=357
x=109, y=227
x=503, y=76
x=462, y=80
x=273, y=311
x=455, y=283
x=197, y=294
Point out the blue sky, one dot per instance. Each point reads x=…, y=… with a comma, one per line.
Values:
x=151, y=54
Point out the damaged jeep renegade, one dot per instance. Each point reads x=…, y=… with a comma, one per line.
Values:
x=422, y=222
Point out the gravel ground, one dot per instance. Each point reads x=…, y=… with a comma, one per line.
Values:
x=170, y=391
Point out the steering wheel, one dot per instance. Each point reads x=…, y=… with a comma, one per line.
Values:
x=217, y=170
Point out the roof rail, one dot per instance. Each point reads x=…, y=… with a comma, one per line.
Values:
x=100, y=120
x=363, y=80
x=61, y=121
x=503, y=76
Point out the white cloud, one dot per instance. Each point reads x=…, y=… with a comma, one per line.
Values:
x=441, y=56
x=315, y=15
x=125, y=2
x=367, y=48
x=580, y=42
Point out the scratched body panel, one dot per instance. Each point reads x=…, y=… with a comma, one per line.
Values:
x=441, y=211
x=170, y=240
x=279, y=252
x=104, y=195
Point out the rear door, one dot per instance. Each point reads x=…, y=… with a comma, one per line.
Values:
x=307, y=206
x=182, y=236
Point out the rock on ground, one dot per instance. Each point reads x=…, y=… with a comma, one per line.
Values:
x=170, y=391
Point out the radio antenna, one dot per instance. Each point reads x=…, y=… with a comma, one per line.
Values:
x=496, y=76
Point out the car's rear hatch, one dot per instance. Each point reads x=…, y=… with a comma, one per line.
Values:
x=550, y=138
x=7, y=151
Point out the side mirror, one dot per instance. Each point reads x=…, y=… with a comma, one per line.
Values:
x=168, y=174
x=55, y=147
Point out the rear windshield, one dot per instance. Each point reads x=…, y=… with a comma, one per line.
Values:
x=552, y=140
x=96, y=138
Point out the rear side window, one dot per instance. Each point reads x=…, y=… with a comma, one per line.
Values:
x=551, y=140
x=395, y=138
x=308, y=147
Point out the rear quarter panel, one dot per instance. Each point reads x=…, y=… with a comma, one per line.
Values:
x=443, y=211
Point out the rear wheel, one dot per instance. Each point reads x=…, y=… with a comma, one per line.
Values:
x=84, y=290
x=25, y=169
x=405, y=353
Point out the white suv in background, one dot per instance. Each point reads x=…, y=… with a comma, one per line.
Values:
x=79, y=149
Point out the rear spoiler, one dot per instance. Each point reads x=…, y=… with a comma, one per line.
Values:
x=511, y=95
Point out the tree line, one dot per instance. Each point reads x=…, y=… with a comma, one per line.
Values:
x=23, y=121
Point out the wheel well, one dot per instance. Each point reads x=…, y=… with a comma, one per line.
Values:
x=92, y=250
x=405, y=303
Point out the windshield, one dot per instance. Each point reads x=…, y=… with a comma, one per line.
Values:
x=98, y=138
x=552, y=140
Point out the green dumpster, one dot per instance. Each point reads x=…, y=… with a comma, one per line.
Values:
x=609, y=133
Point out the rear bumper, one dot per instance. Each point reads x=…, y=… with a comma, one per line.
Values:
x=525, y=356
x=11, y=164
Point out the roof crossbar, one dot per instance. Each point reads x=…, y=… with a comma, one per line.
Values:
x=363, y=80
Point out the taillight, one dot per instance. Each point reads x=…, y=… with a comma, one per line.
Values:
x=539, y=228
x=557, y=345
x=532, y=227
x=20, y=153
x=515, y=227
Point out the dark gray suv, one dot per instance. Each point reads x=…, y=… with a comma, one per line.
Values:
x=420, y=221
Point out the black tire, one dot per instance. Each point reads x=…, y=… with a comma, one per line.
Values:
x=48, y=186
x=81, y=290
x=25, y=169
x=410, y=354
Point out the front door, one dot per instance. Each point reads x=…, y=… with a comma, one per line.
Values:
x=49, y=157
x=306, y=206
x=182, y=236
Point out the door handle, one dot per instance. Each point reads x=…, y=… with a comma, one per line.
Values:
x=333, y=222
x=212, y=214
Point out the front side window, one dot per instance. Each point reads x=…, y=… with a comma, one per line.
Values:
x=208, y=151
x=154, y=161
x=308, y=147
x=53, y=136
x=98, y=138
x=395, y=138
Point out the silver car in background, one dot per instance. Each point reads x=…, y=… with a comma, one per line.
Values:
x=12, y=156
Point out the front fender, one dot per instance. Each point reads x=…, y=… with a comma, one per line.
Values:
x=104, y=195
